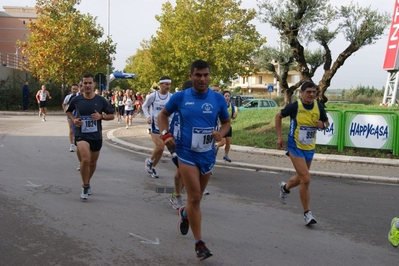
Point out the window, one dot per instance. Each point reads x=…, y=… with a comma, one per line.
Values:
x=265, y=104
x=23, y=22
x=260, y=80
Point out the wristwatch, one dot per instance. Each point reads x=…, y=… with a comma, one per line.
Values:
x=164, y=132
x=103, y=116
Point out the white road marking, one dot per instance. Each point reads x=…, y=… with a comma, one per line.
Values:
x=146, y=241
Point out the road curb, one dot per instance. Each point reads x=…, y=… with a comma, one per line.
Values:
x=257, y=167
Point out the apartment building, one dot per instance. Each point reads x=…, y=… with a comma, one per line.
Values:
x=258, y=83
x=14, y=22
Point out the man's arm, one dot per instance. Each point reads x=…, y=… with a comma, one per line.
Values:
x=37, y=96
x=278, y=125
x=163, y=120
x=224, y=129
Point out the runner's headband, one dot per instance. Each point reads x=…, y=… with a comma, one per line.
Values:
x=165, y=81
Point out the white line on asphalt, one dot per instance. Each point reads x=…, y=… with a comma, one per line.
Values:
x=145, y=240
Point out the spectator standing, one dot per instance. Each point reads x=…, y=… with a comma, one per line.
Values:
x=25, y=96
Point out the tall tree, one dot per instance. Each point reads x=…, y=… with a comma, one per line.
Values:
x=64, y=43
x=300, y=22
x=143, y=66
x=219, y=32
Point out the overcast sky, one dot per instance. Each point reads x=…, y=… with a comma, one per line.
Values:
x=132, y=21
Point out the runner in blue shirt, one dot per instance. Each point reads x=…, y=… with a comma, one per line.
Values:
x=199, y=109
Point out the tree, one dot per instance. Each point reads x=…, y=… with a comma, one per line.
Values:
x=219, y=32
x=300, y=22
x=143, y=66
x=63, y=43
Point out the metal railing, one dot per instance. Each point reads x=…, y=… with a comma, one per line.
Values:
x=11, y=60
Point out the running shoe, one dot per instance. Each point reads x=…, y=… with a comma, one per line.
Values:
x=72, y=148
x=283, y=194
x=393, y=235
x=226, y=158
x=154, y=173
x=176, y=202
x=127, y=127
x=206, y=192
x=89, y=190
x=148, y=165
x=202, y=251
x=44, y=119
x=183, y=224
x=130, y=123
x=309, y=219
x=85, y=193
x=78, y=168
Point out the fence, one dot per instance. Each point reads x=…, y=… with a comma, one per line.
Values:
x=361, y=129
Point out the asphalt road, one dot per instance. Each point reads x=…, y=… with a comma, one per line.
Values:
x=126, y=222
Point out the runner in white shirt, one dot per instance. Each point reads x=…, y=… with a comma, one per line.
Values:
x=152, y=106
x=41, y=97
x=67, y=99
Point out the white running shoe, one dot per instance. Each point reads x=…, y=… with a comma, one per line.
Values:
x=78, y=168
x=309, y=219
x=84, y=194
x=154, y=173
x=72, y=148
x=148, y=166
x=283, y=193
x=127, y=127
x=44, y=119
x=176, y=202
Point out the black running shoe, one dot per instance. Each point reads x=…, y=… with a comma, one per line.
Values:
x=202, y=251
x=183, y=224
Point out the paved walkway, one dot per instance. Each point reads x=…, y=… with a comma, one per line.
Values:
x=361, y=168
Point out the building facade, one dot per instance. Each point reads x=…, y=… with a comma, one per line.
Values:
x=258, y=83
x=14, y=22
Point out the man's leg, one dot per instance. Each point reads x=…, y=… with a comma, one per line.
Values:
x=70, y=131
x=44, y=112
x=194, y=184
x=156, y=154
x=302, y=178
x=93, y=163
x=85, y=160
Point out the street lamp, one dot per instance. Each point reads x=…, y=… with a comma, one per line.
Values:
x=108, y=30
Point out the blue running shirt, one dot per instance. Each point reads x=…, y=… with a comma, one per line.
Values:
x=198, y=114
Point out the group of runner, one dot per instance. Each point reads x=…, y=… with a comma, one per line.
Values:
x=190, y=122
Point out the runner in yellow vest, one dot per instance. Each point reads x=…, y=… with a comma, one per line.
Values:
x=307, y=116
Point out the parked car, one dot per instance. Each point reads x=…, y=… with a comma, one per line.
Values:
x=238, y=100
x=255, y=104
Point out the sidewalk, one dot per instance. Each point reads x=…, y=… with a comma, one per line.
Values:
x=361, y=168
